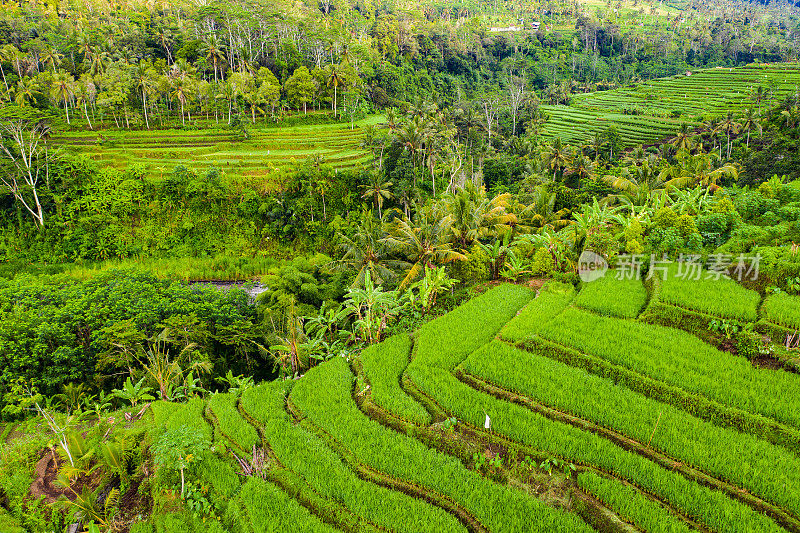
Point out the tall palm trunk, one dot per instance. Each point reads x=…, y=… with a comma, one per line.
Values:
x=86, y=113
x=144, y=108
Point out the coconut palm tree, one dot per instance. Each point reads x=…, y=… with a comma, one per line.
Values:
x=556, y=156
x=636, y=184
x=143, y=82
x=63, y=88
x=758, y=96
x=85, y=94
x=581, y=166
x=683, y=140
x=214, y=52
x=596, y=143
x=366, y=252
x=378, y=190
x=51, y=57
x=411, y=137
x=26, y=91
x=750, y=122
x=474, y=215
x=335, y=80
x=424, y=242
x=180, y=92
x=729, y=126
x=699, y=169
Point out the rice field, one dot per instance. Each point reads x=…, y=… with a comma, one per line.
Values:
x=610, y=296
x=267, y=151
x=517, y=411
x=654, y=110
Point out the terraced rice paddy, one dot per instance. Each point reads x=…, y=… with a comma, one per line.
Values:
x=644, y=428
x=267, y=151
x=653, y=110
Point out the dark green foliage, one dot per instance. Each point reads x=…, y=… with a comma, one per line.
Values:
x=306, y=282
x=54, y=330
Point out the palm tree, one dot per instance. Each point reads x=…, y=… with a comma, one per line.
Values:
x=63, y=89
x=214, y=51
x=750, y=122
x=556, y=156
x=758, y=96
x=26, y=91
x=700, y=169
x=165, y=40
x=143, y=82
x=5, y=55
x=636, y=184
x=683, y=140
x=51, y=57
x=335, y=80
x=596, y=143
x=581, y=166
x=378, y=190
x=180, y=92
x=411, y=137
x=425, y=242
x=729, y=127
x=227, y=91
x=365, y=252
x=85, y=94
x=474, y=216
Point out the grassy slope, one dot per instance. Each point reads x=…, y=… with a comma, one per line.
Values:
x=267, y=151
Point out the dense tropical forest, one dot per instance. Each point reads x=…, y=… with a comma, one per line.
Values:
x=373, y=265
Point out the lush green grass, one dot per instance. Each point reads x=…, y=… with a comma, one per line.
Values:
x=231, y=424
x=309, y=456
x=261, y=506
x=323, y=395
x=764, y=469
x=169, y=415
x=445, y=342
x=782, y=309
x=219, y=268
x=682, y=360
x=710, y=294
x=384, y=364
x=631, y=504
x=268, y=151
x=553, y=298
x=623, y=298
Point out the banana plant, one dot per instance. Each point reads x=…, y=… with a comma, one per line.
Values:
x=133, y=393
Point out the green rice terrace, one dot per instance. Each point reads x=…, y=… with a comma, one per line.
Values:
x=266, y=151
x=561, y=410
x=651, y=111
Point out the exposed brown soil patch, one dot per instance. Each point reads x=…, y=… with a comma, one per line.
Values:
x=765, y=361
x=44, y=484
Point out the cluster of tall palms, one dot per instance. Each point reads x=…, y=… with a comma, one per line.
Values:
x=443, y=231
x=112, y=81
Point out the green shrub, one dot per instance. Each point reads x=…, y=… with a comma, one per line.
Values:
x=475, y=269
x=542, y=264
